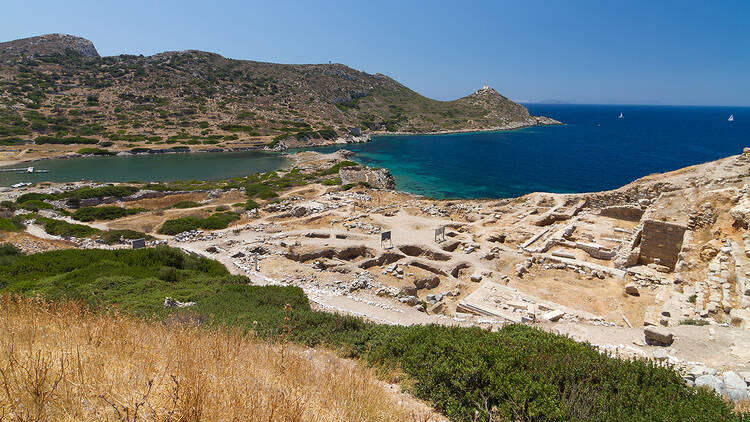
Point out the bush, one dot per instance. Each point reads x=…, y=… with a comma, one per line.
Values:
x=167, y=274
x=104, y=213
x=334, y=169
x=213, y=222
x=251, y=205
x=96, y=151
x=13, y=224
x=32, y=196
x=331, y=182
x=186, y=204
x=697, y=322
x=116, y=236
x=35, y=205
x=39, y=140
x=65, y=229
x=102, y=191
x=9, y=254
x=260, y=190
x=8, y=205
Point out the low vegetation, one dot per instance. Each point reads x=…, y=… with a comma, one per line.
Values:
x=104, y=213
x=186, y=204
x=12, y=224
x=103, y=366
x=216, y=221
x=96, y=151
x=517, y=373
x=117, y=236
x=64, y=229
x=9, y=254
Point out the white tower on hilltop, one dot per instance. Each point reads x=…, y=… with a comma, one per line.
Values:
x=485, y=87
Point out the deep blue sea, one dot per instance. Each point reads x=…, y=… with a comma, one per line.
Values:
x=593, y=151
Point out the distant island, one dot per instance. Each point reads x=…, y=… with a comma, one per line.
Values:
x=58, y=95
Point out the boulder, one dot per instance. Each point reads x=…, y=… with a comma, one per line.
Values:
x=734, y=386
x=553, y=315
x=632, y=289
x=658, y=336
x=711, y=381
x=697, y=371
x=476, y=277
x=427, y=282
x=409, y=300
x=171, y=303
x=408, y=291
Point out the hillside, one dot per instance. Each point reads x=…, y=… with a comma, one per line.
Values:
x=56, y=89
x=138, y=370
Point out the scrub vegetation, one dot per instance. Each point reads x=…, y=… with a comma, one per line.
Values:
x=517, y=373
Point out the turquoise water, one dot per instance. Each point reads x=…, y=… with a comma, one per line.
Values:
x=149, y=168
x=594, y=151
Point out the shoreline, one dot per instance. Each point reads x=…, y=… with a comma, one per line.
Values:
x=541, y=121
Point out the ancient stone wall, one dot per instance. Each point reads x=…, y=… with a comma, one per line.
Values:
x=661, y=240
x=623, y=212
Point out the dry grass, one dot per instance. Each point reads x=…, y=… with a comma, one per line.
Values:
x=60, y=362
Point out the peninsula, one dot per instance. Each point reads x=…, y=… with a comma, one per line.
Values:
x=58, y=96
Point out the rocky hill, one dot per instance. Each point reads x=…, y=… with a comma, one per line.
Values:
x=56, y=89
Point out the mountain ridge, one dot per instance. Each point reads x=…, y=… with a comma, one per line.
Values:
x=58, y=86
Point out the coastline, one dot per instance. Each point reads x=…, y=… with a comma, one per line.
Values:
x=540, y=121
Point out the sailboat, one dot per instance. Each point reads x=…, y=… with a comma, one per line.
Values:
x=620, y=116
x=731, y=118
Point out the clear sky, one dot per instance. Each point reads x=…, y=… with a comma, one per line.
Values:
x=599, y=51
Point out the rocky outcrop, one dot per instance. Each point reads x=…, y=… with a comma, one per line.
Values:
x=47, y=45
x=376, y=178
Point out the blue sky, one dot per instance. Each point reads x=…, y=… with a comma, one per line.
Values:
x=643, y=52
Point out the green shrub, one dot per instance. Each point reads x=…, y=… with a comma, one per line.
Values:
x=179, y=225
x=13, y=224
x=334, y=169
x=116, y=236
x=35, y=205
x=104, y=213
x=260, y=190
x=102, y=191
x=39, y=140
x=65, y=229
x=216, y=221
x=331, y=182
x=186, y=204
x=250, y=204
x=516, y=373
x=8, y=205
x=9, y=254
x=96, y=151
x=33, y=196
x=167, y=274
x=698, y=322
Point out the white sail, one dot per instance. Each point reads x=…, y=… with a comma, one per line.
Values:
x=620, y=116
x=731, y=117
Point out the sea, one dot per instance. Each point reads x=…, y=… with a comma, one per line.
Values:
x=594, y=150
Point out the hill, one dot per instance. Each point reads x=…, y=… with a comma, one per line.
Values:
x=56, y=89
x=173, y=371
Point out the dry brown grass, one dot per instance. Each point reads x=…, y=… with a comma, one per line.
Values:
x=61, y=362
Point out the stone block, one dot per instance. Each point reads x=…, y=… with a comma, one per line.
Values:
x=658, y=336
